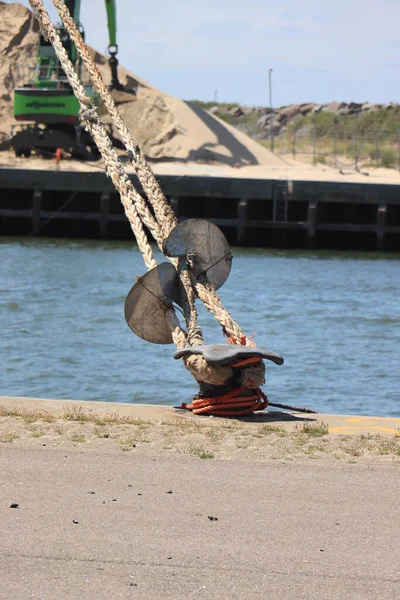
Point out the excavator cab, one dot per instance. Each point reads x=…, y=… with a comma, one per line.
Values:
x=46, y=109
x=49, y=98
x=49, y=109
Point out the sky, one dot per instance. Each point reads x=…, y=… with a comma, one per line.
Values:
x=319, y=50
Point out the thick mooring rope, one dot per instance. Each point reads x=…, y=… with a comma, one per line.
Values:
x=160, y=221
x=164, y=214
x=233, y=404
x=114, y=168
x=136, y=210
x=162, y=210
x=244, y=398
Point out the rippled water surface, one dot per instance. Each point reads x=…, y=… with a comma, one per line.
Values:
x=335, y=318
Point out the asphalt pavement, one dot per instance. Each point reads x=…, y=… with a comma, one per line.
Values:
x=93, y=525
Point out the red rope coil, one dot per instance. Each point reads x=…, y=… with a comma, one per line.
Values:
x=236, y=403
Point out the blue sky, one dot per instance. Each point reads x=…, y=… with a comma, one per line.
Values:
x=319, y=50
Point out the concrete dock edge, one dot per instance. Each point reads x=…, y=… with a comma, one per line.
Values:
x=338, y=424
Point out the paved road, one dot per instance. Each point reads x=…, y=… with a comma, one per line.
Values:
x=143, y=530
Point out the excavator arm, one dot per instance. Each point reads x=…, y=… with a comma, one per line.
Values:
x=112, y=23
x=74, y=7
x=112, y=47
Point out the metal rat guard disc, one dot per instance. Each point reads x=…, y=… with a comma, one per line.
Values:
x=206, y=245
x=147, y=302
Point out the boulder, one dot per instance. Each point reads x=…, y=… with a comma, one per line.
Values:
x=288, y=113
x=333, y=107
x=354, y=108
x=305, y=109
x=263, y=120
x=235, y=111
x=276, y=127
x=366, y=106
x=247, y=110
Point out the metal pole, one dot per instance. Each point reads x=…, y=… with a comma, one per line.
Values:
x=271, y=132
x=398, y=149
x=294, y=143
x=355, y=151
x=377, y=153
x=335, y=140
x=215, y=96
x=314, y=140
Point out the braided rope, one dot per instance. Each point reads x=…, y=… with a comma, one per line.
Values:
x=136, y=209
x=195, y=337
x=213, y=303
x=129, y=197
x=162, y=210
x=237, y=403
x=155, y=196
x=164, y=214
x=114, y=168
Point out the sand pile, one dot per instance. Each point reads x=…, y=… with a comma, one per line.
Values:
x=18, y=39
x=166, y=128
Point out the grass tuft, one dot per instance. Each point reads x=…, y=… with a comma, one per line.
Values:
x=200, y=452
x=353, y=450
x=266, y=429
x=72, y=413
x=9, y=437
x=35, y=431
x=215, y=434
x=77, y=437
x=28, y=416
x=128, y=442
x=101, y=433
x=313, y=429
x=391, y=446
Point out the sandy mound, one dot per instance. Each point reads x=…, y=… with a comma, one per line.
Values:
x=166, y=128
x=18, y=39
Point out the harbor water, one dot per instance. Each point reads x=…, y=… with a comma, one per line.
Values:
x=335, y=318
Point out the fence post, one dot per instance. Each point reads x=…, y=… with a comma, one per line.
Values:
x=377, y=152
x=294, y=144
x=314, y=151
x=355, y=151
x=335, y=140
x=398, y=148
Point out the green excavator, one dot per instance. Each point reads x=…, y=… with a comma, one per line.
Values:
x=46, y=110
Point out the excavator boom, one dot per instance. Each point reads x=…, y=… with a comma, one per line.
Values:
x=112, y=46
x=111, y=22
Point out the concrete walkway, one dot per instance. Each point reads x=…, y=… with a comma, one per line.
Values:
x=339, y=424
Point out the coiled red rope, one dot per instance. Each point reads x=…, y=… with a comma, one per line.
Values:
x=238, y=402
